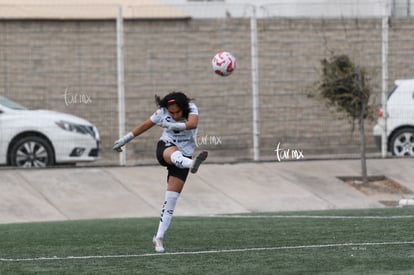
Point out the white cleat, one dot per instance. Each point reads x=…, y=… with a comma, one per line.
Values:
x=199, y=159
x=159, y=248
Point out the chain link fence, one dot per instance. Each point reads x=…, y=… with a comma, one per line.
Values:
x=71, y=66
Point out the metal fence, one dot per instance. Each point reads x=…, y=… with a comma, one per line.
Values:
x=109, y=71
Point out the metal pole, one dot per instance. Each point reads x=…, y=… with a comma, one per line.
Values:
x=255, y=85
x=121, y=80
x=385, y=27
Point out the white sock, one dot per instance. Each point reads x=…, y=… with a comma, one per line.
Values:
x=180, y=161
x=167, y=212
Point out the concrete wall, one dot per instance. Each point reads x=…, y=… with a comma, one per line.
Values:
x=56, y=64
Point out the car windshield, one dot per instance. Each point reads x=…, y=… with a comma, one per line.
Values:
x=392, y=91
x=11, y=104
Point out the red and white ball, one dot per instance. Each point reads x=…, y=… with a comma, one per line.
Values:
x=224, y=63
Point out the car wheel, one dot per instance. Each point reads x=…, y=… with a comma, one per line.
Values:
x=32, y=151
x=402, y=143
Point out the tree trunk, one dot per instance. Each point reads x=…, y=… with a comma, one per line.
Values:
x=363, y=145
x=361, y=124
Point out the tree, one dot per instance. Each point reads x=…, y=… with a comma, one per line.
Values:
x=344, y=88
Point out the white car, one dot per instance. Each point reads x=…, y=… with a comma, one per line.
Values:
x=400, y=120
x=39, y=138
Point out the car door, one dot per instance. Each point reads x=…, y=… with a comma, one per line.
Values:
x=400, y=106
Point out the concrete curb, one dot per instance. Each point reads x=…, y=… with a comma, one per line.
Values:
x=118, y=192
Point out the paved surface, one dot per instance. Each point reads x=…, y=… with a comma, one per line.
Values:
x=114, y=192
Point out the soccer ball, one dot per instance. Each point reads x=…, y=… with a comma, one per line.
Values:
x=223, y=63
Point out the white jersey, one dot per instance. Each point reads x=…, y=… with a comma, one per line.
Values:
x=184, y=140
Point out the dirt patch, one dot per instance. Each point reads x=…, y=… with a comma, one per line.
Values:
x=386, y=190
x=377, y=185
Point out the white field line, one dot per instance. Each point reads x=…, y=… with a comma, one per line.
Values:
x=238, y=250
x=311, y=217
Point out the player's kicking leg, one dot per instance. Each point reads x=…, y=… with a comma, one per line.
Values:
x=197, y=162
x=181, y=161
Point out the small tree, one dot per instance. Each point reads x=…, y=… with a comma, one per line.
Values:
x=344, y=87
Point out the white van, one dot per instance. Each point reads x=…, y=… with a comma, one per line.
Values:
x=400, y=119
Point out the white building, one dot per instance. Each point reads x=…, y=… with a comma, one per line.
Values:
x=294, y=8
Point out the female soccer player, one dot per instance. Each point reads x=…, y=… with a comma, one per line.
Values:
x=179, y=118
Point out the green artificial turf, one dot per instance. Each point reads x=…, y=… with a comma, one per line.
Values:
x=377, y=241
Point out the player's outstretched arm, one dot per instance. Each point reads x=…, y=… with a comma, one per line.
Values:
x=147, y=124
x=143, y=127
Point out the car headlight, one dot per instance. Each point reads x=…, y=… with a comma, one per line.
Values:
x=77, y=128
